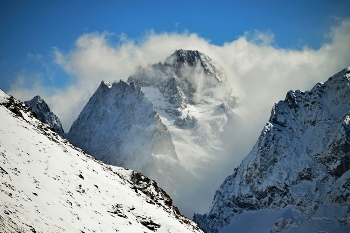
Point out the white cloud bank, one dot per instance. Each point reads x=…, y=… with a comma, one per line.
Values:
x=259, y=72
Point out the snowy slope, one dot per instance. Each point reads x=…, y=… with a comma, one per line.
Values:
x=298, y=170
x=48, y=185
x=44, y=114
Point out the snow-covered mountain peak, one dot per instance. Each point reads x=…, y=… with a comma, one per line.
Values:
x=192, y=58
x=44, y=114
x=299, y=167
x=181, y=56
x=48, y=185
x=38, y=99
x=185, y=77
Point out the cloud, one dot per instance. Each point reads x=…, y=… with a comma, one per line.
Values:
x=259, y=72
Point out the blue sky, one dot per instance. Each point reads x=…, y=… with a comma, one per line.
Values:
x=43, y=43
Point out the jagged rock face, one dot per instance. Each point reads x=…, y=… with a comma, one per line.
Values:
x=44, y=114
x=300, y=163
x=120, y=127
x=48, y=185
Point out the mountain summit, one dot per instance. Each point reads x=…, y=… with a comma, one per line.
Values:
x=297, y=176
x=184, y=78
